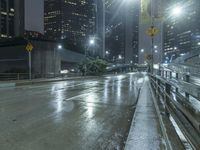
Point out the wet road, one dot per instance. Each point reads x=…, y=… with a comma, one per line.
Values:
x=72, y=115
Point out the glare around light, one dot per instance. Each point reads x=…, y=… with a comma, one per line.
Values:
x=142, y=50
x=183, y=54
x=120, y=56
x=59, y=46
x=92, y=41
x=177, y=11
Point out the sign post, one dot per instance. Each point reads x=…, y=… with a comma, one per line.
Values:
x=29, y=48
x=152, y=32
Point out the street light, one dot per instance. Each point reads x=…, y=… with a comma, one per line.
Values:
x=91, y=42
x=54, y=55
x=59, y=46
x=120, y=56
x=176, y=11
x=142, y=50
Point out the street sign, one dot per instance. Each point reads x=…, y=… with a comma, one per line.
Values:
x=148, y=57
x=29, y=47
x=152, y=31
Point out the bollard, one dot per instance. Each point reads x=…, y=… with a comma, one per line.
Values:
x=158, y=89
x=176, y=76
x=167, y=99
x=170, y=75
x=187, y=78
x=187, y=95
x=165, y=74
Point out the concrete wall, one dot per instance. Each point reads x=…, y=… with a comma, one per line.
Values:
x=46, y=57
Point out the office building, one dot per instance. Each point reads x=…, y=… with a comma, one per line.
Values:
x=69, y=19
x=11, y=18
x=122, y=20
x=182, y=33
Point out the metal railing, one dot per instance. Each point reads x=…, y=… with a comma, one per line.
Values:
x=175, y=99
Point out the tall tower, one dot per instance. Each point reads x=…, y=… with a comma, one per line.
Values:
x=11, y=18
x=122, y=18
x=131, y=31
x=100, y=27
x=69, y=19
x=182, y=33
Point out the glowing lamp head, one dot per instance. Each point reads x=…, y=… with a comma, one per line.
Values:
x=59, y=46
x=177, y=11
x=92, y=42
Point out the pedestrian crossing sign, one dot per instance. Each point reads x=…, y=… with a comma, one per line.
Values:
x=152, y=31
x=29, y=47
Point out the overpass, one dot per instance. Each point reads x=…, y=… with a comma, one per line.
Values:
x=46, y=57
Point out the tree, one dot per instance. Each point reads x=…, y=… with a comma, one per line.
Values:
x=93, y=66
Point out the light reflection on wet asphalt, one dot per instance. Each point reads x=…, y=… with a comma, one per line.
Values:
x=70, y=115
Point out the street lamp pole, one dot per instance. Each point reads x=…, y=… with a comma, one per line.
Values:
x=54, y=59
x=152, y=37
x=54, y=56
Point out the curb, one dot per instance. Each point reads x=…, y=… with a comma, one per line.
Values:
x=7, y=85
x=132, y=122
x=15, y=84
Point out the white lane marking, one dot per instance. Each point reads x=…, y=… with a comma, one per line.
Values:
x=81, y=95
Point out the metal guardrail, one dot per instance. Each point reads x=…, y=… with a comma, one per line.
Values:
x=187, y=56
x=185, y=68
x=175, y=99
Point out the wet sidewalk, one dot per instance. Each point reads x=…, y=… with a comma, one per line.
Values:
x=145, y=132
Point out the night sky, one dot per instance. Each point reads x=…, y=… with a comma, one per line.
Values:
x=34, y=15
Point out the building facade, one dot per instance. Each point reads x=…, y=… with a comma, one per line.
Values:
x=11, y=18
x=182, y=33
x=69, y=19
x=132, y=31
x=122, y=20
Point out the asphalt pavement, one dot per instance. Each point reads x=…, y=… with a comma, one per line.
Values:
x=69, y=115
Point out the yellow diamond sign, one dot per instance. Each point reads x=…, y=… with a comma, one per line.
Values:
x=29, y=47
x=152, y=31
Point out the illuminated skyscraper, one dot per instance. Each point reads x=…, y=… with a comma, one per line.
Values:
x=182, y=33
x=69, y=19
x=11, y=18
x=122, y=20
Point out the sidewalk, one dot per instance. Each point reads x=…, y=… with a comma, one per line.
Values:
x=145, y=132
